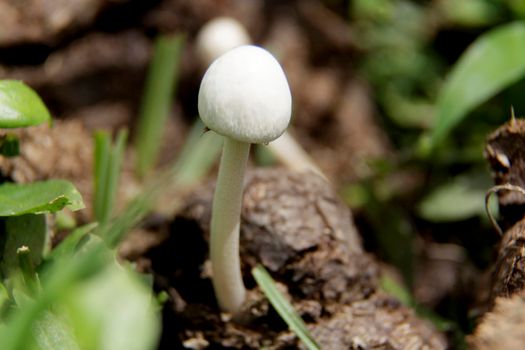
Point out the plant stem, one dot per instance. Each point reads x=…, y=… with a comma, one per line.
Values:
x=225, y=225
x=28, y=271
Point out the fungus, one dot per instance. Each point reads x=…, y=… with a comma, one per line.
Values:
x=218, y=36
x=222, y=34
x=245, y=97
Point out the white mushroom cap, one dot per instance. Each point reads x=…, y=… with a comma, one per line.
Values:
x=245, y=95
x=219, y=36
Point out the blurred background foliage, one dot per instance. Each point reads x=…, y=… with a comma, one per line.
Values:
x=444, y=75
x=410, y=52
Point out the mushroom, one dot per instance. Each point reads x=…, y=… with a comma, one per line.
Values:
x=244, y=96
x=222, y=34
x=218, y=36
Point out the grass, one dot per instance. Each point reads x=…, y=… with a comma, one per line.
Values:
x=107, y=168
x=157, y=100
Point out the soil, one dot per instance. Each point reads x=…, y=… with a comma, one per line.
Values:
x=63, y=151
x=502, y=328
x=295, y=226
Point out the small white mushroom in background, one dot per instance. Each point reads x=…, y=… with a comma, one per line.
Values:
x=218, y=36
x=245, y=97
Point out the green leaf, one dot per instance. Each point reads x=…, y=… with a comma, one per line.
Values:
x=77, y=309
x=156, y=102
x=53, y=332
x=283, y=307
x=459, y=199
x=38, y=197
x=474, y=13
x=69, y=245
x=20, y=106
x=113, y=311
x=494, y=61
x=56, y=282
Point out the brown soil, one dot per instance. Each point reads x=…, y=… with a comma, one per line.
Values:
x=503, y=327
x=63, y=151
x=296, y=227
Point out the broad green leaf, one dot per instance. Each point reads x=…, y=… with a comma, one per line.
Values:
x=38, y=197
x=113, y=311
x=470, y=12
x=53, y=332
x=56, y=282
x=20, y=106
x=283, y=307
x=459, y=199
x=494, y=61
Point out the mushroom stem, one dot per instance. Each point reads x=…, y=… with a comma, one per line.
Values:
x=225, y=225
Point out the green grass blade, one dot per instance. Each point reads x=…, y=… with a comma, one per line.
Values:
x=136, y=210
x=108, y=163
x=67, y=247
x=102, y=150
x=494, y=61
x=157, y=99
x=114, y=168
x=199, y=153
x=283, y=307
